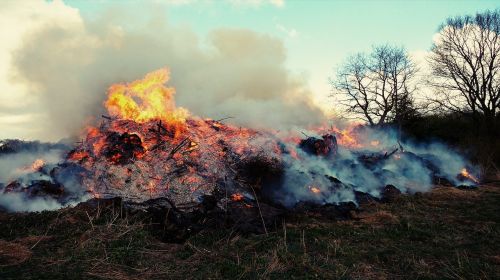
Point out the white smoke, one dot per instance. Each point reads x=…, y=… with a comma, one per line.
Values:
x=67, y=64
x=16, y=167
x=410, y=171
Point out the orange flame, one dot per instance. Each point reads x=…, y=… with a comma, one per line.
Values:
x=37, y=164
x=314, y=189
x=236, y=197
x=469, y=176
x=375, y=143
x=78, y=155
x=145, y=100
x=347, y=137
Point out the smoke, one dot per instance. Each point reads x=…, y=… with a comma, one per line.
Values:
x=367, y=167
x=26, y=167
x=14, y=165
x=65, y=63
x=240, y=73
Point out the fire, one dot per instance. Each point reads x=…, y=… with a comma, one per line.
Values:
x=293, y=153
x=375, y=143
x=236, y=197
x=314, y=189
x=145, y=100
x=37, y=164
x=92, y=132
x=469, y=176
x=347, y=137
x=78, y=155
x=98, y=145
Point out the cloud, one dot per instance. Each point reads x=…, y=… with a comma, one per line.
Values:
x=236, y=3
x=257, y=3
x=67, y=64
x=289, y=32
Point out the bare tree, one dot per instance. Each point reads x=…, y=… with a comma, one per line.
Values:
x=465, y=65
x=377, y=87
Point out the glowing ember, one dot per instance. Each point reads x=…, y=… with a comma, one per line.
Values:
x=78, y=155
x=236, y=197
x=37, y=164
x=375, y=143
x=469, y=176
x=314, y=189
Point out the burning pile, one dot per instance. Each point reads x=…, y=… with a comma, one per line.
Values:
x=148, y=149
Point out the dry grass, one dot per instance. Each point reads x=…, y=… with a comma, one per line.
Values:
x=445, y=234
x=447, y=193
x=378, y=218
x=12, y=253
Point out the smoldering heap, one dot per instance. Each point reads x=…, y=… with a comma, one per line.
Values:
x=150, y=153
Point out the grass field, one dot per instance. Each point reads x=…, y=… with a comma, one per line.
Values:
x=444, y=234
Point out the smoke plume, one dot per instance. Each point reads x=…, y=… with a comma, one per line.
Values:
x=233, y=72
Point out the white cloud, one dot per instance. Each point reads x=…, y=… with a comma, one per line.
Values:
x=175, y=2
x=257, y=3
x=237, y=3
x=289, y=32
x=277, y=3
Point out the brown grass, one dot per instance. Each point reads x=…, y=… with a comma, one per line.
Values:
x=12, y=253
x=378, y=218
x=447, y=193
x=447, y=233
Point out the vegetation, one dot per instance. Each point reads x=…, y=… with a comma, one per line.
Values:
x=448, y=233
x=465, y=66
x=464, y=78
x=377, y=87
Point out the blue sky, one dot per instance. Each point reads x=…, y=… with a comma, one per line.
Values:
x=318, y=35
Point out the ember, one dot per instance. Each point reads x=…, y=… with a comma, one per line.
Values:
x=326, y=146
x=37, y=164
x=236, y=197
x=314, y=189
x=77, y=155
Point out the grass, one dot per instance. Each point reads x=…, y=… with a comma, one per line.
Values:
x=445, y=234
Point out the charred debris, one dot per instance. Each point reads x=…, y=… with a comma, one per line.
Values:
x=199, y=181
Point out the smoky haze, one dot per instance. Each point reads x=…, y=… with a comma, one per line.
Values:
x=234, y=72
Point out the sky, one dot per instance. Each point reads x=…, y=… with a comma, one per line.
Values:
x=319, y=34
x=306, y=41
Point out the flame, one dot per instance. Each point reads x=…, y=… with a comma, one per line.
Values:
x=375, y=143
x=347, y=137
x=236, y=197
x=314, y=189
x=293, y=153
x=166, y=149
x=37, y=164
x=145, y=100
x=78, y=155
x=92, y=132
x=469, y=176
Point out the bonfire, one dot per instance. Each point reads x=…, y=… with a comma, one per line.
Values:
x=147, y=149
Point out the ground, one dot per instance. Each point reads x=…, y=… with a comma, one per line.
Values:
x=448, y=233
